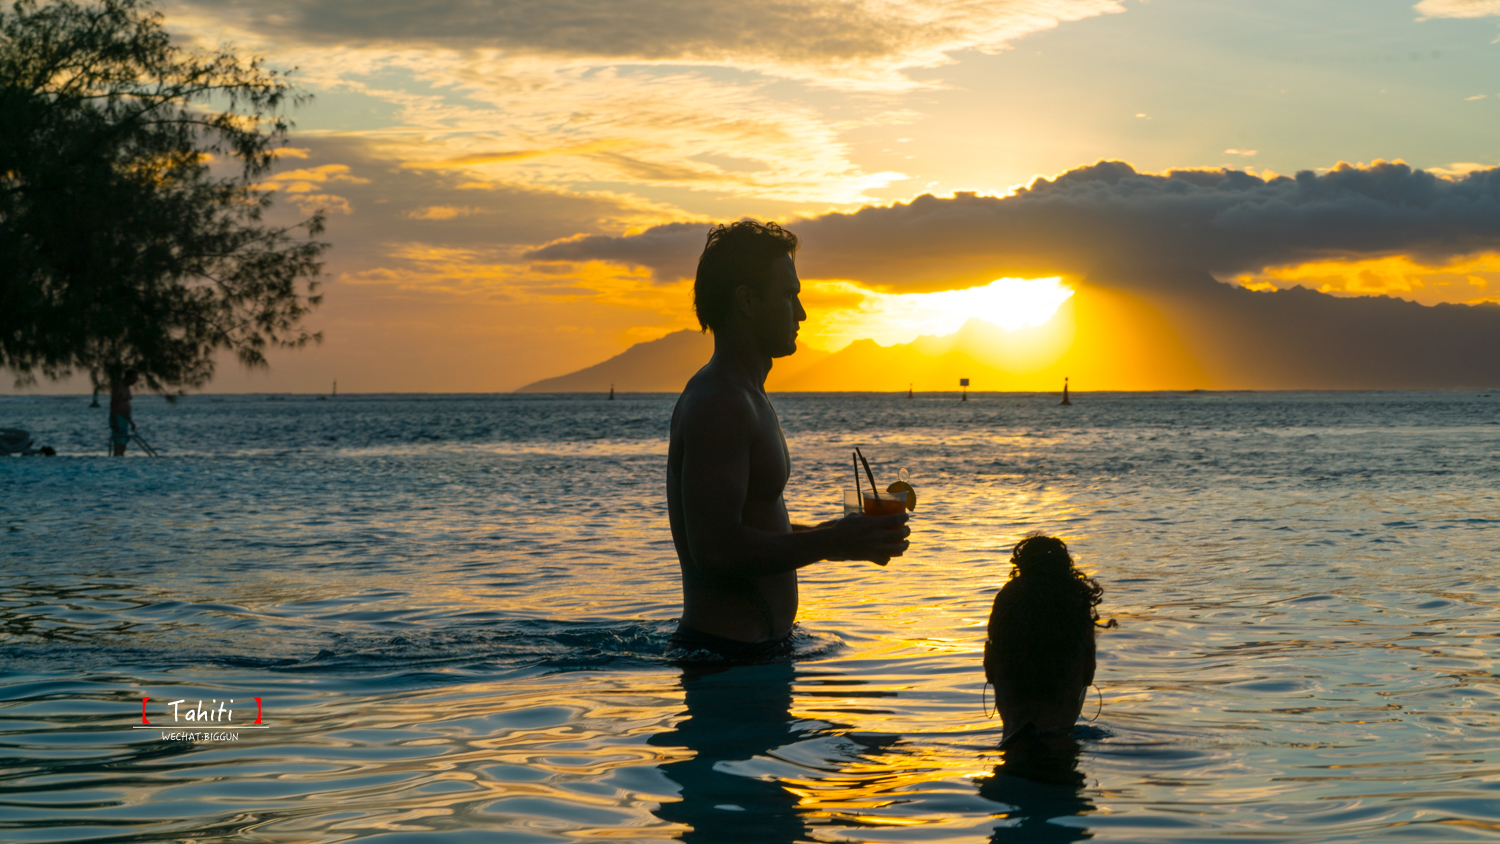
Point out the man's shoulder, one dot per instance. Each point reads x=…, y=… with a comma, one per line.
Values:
x=710, y=399
x=708, y=392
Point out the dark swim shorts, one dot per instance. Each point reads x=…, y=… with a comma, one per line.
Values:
x=689, y=645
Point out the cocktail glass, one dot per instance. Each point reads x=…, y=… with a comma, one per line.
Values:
x=852, y=504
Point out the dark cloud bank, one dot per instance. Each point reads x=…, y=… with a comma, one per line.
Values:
x=795, y=31
x=1151, y=245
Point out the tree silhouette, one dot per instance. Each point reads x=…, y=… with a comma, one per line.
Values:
x=131, y=229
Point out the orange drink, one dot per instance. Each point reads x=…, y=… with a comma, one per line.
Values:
x=884, y=503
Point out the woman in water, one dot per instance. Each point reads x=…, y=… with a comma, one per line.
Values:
x=1040, y=650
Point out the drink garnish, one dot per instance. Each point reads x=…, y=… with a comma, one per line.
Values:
x=911, y=494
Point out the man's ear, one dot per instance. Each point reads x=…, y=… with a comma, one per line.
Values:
x=745, y=301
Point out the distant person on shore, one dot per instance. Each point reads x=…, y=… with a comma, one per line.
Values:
x=727, y=462
x=1040, y=650
x=121, y=425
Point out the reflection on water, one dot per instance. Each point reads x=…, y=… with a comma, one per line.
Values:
x=735, y=719
x=1038, y=781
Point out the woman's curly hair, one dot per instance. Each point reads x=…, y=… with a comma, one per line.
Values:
x=1039, y=557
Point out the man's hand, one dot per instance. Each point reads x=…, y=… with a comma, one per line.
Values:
x=873, y=538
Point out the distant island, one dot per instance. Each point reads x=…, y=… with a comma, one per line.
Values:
x=657, y=366
x=661, y=366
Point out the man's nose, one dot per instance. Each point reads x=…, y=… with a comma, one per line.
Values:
x=801, y=314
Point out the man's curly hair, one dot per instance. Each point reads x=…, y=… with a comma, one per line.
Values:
x=736, y=255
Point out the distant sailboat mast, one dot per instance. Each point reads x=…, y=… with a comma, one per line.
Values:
x=1065, y=394
x=335, y=388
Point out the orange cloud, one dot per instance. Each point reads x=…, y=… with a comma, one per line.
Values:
x=1464, y=281
x=439, y=212
x=305, y=186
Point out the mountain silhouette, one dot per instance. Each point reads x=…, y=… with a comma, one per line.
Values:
x=659, y=366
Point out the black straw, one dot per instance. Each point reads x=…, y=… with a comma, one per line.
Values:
x=854, y=455
x=871, y=475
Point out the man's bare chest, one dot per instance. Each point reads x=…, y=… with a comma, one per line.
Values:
x=770, y=464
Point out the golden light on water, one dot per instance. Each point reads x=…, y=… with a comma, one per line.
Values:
x=855, y=313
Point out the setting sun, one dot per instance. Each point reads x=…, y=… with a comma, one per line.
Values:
x=886, y=318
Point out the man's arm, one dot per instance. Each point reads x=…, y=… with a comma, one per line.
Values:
x=717, y=432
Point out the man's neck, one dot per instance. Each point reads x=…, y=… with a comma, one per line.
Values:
x=739, y=357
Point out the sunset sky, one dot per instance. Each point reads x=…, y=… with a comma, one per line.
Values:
x=465, y=150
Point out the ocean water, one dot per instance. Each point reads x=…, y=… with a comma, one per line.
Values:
x=453, y=611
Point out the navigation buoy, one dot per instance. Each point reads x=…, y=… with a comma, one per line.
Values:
x=964, y=382
x=611, y=392
x=1065, y=394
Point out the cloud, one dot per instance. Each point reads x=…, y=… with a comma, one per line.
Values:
x=1244, y=152
x=1459, y=168
x=304, y=187
x=439, y=212
x=395, y=218
x=834, y=41
x=576, y=124
x=1464, y=281
x=654, y=96
x=1457, y=8
x=1093, y=218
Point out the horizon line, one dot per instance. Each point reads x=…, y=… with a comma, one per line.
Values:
x=618, y=392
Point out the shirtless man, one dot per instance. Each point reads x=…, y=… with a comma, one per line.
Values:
x=727, y=461
x=120, y=423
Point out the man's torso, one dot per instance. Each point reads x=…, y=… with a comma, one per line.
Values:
x=119, y=400
x=724, y=603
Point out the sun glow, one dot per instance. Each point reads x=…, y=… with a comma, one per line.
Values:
x=844, y=312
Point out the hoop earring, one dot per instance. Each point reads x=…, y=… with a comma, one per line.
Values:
x=1101, y=703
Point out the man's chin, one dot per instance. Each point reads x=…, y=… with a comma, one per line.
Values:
x=786, y=351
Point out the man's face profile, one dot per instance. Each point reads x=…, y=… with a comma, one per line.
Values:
x=775, y=311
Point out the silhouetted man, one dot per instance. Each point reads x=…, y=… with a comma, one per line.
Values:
x=120, y=423
x=727, y=462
